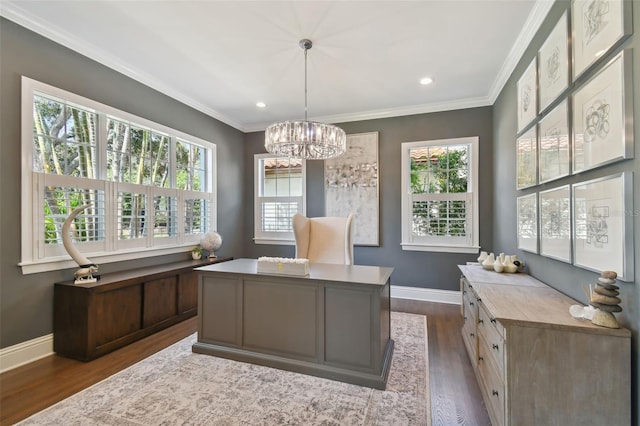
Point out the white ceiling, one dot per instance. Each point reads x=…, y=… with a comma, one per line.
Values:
x=221, y=57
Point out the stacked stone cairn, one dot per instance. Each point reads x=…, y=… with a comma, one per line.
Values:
x=606, y=301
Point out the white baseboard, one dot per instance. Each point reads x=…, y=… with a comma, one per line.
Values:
x=25, y=352
x=426, y=294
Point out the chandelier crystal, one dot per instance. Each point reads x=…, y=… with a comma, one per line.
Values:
x=308, y=140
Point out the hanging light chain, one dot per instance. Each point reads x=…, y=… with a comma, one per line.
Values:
x=305, y=83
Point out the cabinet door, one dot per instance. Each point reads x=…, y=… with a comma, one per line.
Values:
x=188, y=293
x=160, y=300
x=116, y=314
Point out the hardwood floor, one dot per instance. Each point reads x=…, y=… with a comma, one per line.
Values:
x=455, y=396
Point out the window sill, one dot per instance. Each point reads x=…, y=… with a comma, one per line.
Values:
x=64, y=262
x=275, y=241
x=441, y=249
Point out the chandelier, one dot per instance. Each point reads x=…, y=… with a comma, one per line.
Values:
x=305, y=139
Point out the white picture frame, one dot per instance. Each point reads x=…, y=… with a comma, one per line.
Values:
x=602, y=229
x=527, y=96
x=351, y=186
x=527, y=159
x=527, y=222
x=555, y=223
x=554, y=148
x=598, y=26
x=603, y=116
x=553, y=64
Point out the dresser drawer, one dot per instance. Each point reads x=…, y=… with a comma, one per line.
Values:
x=492, y=384
x=488, y=330
x=470, y=339
x=470, y=305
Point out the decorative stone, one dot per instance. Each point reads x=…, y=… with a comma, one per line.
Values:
x=606, y=308
x=606, y=284
x=605, y=300
x=609, y=274
x=606, y=291
x=604, y=319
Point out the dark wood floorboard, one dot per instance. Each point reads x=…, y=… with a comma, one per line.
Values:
x=455, y=396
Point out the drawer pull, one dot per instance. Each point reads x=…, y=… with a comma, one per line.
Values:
x=480, y=321
x=479, y=300
x=470, y=303
x=465, y=318
x=472, y=335
x=464, y=291
x=494, y=346
x=493, y=320
x=480, y=359
x=494, y=392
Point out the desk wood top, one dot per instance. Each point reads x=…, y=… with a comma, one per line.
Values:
x=516, y=299
x=354, y=274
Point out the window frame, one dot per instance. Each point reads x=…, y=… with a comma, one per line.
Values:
x=34, y=258
x=434, y=243
x=282, y=238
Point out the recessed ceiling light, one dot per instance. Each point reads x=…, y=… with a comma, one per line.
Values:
x=261, y=105
x=426, y=80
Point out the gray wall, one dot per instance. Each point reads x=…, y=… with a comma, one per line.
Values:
x=26, y=302
x=412, y=268
x=564, y=277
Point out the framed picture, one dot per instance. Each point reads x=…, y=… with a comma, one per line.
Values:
x=527, y=159
x=555, y=223
x=527, y=96
x=351, y=186
x=527, y=209
x=602, y=234
x=553, y=63
x=603, y=116
x=597, y=27
x=554, y=144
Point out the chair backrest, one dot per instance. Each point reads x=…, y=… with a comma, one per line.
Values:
x=324, y=239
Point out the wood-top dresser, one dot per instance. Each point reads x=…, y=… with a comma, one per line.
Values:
x=535, y=364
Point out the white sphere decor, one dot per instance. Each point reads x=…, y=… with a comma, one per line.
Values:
x=211, y=241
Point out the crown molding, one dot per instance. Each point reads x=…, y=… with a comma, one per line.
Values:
x=390, y=112
x=13, y=12
x=531, y=26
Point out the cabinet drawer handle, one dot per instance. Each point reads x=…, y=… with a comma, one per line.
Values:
x=494, y=392
x=494, y=346
x=472, y=335
x=480, y=321
x=470, y=303
x=493, y=320
x=464, y=291
x=465, y=318
x=480, y=359
x=479, y=300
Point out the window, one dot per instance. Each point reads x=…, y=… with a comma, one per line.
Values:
x=149, y=189
x=440, y=195
x=279, y=193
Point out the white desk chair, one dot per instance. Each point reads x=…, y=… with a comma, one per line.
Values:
x=324, y=239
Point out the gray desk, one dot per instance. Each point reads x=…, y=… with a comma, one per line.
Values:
x=334, y=323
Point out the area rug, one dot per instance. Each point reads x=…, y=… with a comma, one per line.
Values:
x=178, y=387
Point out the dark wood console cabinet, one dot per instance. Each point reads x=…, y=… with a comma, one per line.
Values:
x=91, y=320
